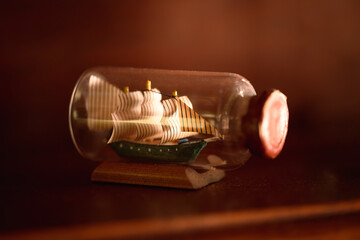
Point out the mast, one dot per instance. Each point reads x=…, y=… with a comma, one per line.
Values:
x=149, y=126
x=170, y=121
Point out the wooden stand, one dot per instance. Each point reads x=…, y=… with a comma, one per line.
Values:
x=161, y=175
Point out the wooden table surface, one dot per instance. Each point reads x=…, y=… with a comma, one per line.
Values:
x=52, y=197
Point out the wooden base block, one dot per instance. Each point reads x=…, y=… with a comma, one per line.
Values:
x=161, y=175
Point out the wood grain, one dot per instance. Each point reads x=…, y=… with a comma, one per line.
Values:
x=189, y=224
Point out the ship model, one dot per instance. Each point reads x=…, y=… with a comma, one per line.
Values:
x=146, y=126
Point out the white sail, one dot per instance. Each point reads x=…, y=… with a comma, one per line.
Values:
x=149, y=126
x=170, y=121
x=126, y=116
x=187, y=101
x=102, y=102
x=181, y=121
x=141, y=116
x=191, y=121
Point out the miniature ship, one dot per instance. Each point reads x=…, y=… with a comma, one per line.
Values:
x=146, y=127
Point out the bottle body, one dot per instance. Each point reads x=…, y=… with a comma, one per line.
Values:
x=217, y=101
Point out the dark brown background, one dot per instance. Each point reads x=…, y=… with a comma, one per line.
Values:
x=308, y=49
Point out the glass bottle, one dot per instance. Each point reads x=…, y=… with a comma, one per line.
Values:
x=202, y=119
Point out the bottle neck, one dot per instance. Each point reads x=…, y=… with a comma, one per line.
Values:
x=239, y=110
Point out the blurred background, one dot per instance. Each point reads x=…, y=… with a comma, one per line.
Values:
x=308, y=49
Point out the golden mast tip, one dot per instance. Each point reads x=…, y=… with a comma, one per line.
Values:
x=126, y=89
x=148, y=85
x=174, y=93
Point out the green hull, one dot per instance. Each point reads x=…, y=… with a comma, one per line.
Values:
x=184, y=152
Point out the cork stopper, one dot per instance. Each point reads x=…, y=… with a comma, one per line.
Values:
x=266, y=124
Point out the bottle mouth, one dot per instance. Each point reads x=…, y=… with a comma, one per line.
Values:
x=266, y=123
